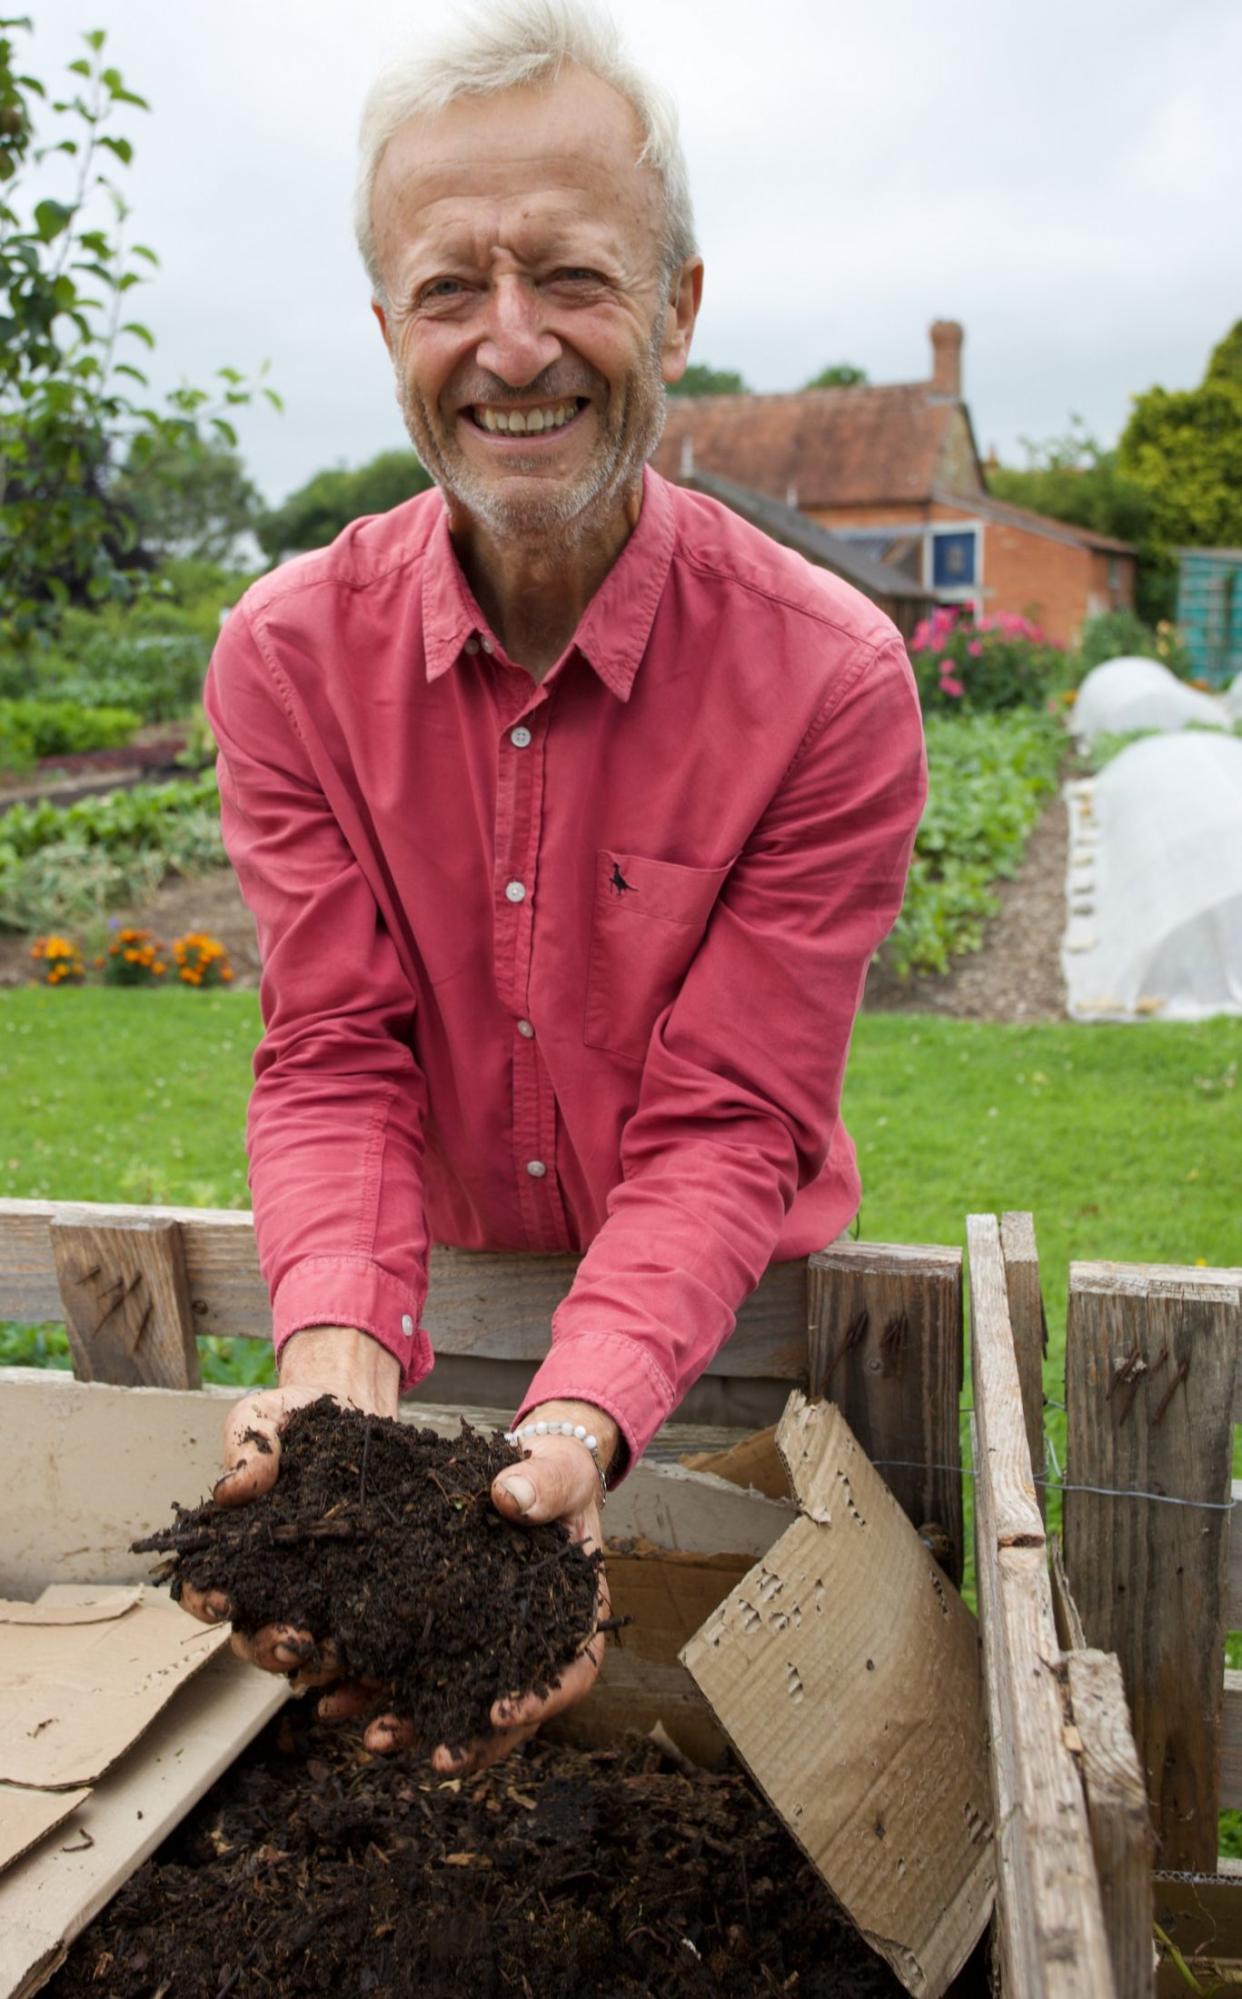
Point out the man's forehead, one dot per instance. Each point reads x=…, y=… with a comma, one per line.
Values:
x=573, y=145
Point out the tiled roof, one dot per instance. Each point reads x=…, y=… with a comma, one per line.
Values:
x=785, y=524
x=819, y=447
x=988, y=508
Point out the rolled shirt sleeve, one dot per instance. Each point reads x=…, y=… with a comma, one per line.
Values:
x=740, y=1098
x=334, y=1130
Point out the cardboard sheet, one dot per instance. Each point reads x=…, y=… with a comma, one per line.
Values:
x=27, y=1816
x=83, y=1673
x=845, y=1669
x=49, y=1896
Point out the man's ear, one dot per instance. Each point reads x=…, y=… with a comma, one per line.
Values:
x=382, y=321
x=684, y=299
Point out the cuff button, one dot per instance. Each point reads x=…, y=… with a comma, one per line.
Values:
x=407, y=1325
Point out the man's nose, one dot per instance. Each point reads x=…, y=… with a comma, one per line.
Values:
x=516, y=344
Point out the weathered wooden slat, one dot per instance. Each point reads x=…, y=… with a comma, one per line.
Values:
x=1132, y=1280
x=1231, y=1744
x=1030, y=1331
x=1051, y=1924
x=1233, y=1607
x=127, y=1303
x=1121, y=1837
x=886, y=1347
x=478, y=1303
x=1149, y=1373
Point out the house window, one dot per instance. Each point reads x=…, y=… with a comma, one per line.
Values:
x=954, y=559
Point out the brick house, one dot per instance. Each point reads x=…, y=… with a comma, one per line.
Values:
x=895, y=470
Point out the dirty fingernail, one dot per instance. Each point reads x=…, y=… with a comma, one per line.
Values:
x=290, y=1653
x=521, y=1491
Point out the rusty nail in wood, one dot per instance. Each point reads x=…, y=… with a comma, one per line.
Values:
x=1183, y=1370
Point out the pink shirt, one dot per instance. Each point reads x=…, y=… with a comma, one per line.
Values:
x=560, y=967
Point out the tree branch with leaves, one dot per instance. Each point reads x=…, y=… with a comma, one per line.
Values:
x=75, y=406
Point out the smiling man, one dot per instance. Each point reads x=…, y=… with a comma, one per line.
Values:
x=569, y=808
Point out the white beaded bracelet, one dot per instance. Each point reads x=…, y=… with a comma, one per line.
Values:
x=578, y=1431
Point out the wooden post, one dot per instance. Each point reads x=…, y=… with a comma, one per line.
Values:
x=1149, y=1384
x=1121, y=1836
x=1051, y=1923
x=1030, y=1331
x=885, y=1327
x=127, y=1303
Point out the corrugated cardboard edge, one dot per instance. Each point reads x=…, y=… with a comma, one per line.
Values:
x=28, y=1816
x=48, y=1897
x=90, y=1737
x=844, y=1669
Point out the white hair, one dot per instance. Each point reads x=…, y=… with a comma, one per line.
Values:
x=502, y=46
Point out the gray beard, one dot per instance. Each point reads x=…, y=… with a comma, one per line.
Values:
x=574, y=513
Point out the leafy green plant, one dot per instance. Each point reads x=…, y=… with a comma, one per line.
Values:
x=1123, y=634
x=62, y=728
x=963, y=664
x=67, y=864
x=72, y=399
x=989, y=777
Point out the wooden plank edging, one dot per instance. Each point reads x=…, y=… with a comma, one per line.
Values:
x=1052, y=1937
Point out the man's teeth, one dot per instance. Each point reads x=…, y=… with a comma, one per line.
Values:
x=523, y=422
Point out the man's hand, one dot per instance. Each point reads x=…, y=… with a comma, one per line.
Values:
x=324, y=1360
x=556, y=1481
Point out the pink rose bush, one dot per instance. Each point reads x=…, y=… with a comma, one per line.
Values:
x=963, y=663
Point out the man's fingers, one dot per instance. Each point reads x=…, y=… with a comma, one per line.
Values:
x=556, y=1479
x=278, y=1648
x=348, y=1700
x=251, y=1451
x=388, y=1733
x=488, y=1749
x=532, y=1710
x=209, y=1606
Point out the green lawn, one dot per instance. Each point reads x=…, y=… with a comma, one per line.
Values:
x=1123, y=1141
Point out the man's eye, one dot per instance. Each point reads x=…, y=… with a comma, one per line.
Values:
x=442, y=288
x=575, y=274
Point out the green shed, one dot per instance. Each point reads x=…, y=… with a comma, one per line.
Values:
x=1209, y=611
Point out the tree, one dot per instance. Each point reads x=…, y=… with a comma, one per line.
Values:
x=191, y=498
x=1182, y=448
x=319, y=510
x=841, y=375
x=1075, y=478
x=68, y=414
x=700, y=380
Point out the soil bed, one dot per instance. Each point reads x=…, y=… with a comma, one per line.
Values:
x=314, y=1868
x=384, y=1539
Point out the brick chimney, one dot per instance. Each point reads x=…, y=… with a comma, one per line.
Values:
x=946, y=340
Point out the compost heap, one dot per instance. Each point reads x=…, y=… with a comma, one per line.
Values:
x=314, y=1867
x=383, y=1538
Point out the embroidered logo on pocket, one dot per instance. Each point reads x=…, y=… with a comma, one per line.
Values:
x=618, y=884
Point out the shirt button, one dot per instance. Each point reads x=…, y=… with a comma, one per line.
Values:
x=520, y=737
x=526, y=1031
x=472, y=645
x=487, y=645
x=536, y=1168
x=407, y=1325
x=515, y=892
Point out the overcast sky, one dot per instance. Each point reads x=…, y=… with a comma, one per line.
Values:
x=1062, y=178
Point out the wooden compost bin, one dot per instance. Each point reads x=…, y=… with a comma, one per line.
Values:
x=878, y=1328
x=1108, y=1837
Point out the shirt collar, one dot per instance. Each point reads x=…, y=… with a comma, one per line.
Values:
x=616, y=625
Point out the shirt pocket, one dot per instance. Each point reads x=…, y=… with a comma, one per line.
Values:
x=648, y=919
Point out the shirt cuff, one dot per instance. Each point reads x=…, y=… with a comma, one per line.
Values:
x=618, y=1375
x=353, y=1291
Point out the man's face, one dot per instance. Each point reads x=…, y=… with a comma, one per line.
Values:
x=529, y=322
